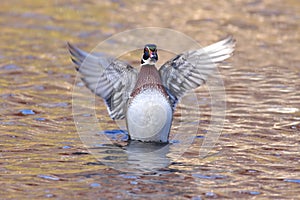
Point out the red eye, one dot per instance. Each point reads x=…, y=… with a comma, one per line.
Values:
x=146, y=50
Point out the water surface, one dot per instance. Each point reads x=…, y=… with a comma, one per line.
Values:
x=257, y=155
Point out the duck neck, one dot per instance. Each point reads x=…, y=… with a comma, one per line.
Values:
x=148, y=62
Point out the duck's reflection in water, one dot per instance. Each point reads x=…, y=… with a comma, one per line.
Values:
x=147, y=156
x=134, y=156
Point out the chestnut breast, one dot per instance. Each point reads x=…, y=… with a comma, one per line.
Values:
x=148, y=78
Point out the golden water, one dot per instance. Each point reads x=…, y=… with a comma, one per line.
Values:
x=257, y=155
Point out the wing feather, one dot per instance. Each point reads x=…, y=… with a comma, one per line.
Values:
x=191, y=69
x=109, y=78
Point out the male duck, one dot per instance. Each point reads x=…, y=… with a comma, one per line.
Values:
x=147, y=98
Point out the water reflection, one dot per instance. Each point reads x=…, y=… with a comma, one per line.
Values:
x=147, y=156
x=132, y=155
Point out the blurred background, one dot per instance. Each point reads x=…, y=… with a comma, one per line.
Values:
x=257, y=155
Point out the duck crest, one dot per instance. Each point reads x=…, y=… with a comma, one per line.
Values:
x=148, y=78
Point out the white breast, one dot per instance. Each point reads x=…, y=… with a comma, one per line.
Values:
x=149, y=117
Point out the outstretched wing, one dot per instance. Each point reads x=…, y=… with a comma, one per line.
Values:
x=109, y=78
x=191, y=69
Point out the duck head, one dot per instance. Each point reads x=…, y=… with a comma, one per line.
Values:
x=150, y=56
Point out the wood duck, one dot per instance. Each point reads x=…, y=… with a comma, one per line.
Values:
x=147, y=99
